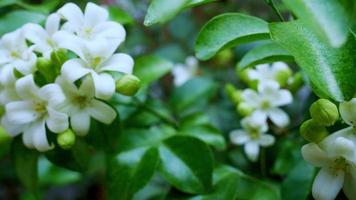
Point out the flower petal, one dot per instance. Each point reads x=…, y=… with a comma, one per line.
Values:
x=52, y=23
x=348, y=111
x=70, y=41
x=120, y=63
x=278, y=117
x=327, y=184
x=87, y=88
x=26, y=88
x=251, y=97
x=95, y=14
x=314, y=155
x=20, y=112
x=239, y=137
x=12, y=128
x=72, y=13
x=101, y=112
x=104, y=85
x=266, y=140
x=27, y=138
x=37, y=35
x=350, y=184
x=52, y=93
x=113, y=31
x=74, y=69
x=40, y=141
x=252, y=150
x=57, y=122
x=80, y=122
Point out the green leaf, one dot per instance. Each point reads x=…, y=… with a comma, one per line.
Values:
x=331, y=70
x=16, y=19
x=206, y=133
x=130, y=171
x=119, y=15
x=151, y=68
x=161, y=11
x=298, y=182
x=4, y=3
x=76, y=159
x=191, y=92
x=329, y=18
x=187, y=164
x=194, y=3
x=266, y=53
x=25, y=161
x=288, y=155
x=228, y=30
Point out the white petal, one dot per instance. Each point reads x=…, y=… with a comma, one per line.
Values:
x=314, y=155
x=251, y=97
x=80, y=122
x=52, y=93
x=101, y=112
x=74, y=69
x=95, y=14
x=239, y=137
x=40, y=141
x=120, y=63
x=278, y=117
x=268, y=87
x=72, y=13
x=99, y=48
x=350, y=184
x=27, y=138
x=266, y=140
x=52, y=23
x=104, y=85
x=37, y=35
x=71, y=42
x=26, y=88
x=278, y=66
x=348, y=111
x=327, y=184
x=344, y=147
x=283, y=97
x=113, y=31
x=252, y=150
x=20, y=112
x=181, y=74
x=57, y=122
x=7, y=76
x=12, y=128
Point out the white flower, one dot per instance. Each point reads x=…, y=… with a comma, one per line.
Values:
x=43, y=39
x=80, y=105
x=267, y=72
x=252, y=136
x=15, y=53
x=184, y=72
x=37, y=109
x=267, y=101
x=336, y=156
x=348, y=112
x=97, y=59
x=7, y=85
x=91, y=24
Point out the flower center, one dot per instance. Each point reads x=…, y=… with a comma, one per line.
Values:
x=254, y=134
x=96, y=61
x=82, y=101
x=265, y=104
x=40, y=108
x=340, y=164
x=15, y=54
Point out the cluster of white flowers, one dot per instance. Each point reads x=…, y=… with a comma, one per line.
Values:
x=262, y=105
x=79, y=86
x=336, y=156
x=183, y=72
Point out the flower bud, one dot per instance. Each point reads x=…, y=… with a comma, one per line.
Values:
x=233, y=93
x=283, y=75
x=297, y=82
x=244, y=109
x=45, y=67
x=243, y=74
x=324, y=112
x=58, y=58
x=128, y=85
x=66, y=140
x=312, y=131
x=224, y=57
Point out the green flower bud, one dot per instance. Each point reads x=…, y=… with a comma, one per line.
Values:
x=244, y=109
x=46, y=69
x=128, y=85
x=66, y=140
x=282, y=76
x=253, y=84
x=297, y=82
x=58, y=58
x=224, y=57
x=324, y=112
x=312, y=131
x=243, y=74
x=233, y=93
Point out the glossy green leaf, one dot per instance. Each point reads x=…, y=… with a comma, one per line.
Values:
x=130, y=171
x=187, y=164
x=298, y=182
x=331, y=70
x=228, y=30
x=151, y=68
x=329, y=18
x=25, y=161
x=206, y=133
x=191, y=92
x=76, y=159
x=161, y=11
x=16, y=19
x=193, y=3
x=119, y=15
x=266, y=53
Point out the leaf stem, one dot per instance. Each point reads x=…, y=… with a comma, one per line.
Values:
x=275, y=9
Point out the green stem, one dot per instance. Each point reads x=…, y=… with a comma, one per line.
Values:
x=275, y=9
x=154, y=112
